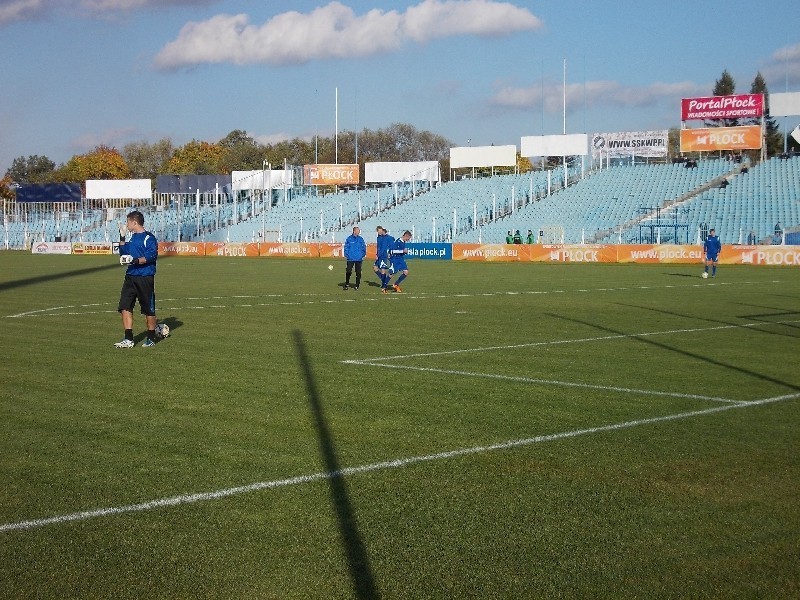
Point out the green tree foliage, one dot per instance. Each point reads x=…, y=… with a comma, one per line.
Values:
x=724, y=86
x=147, y=161
x=674, y=142
x=33, y=169
x=101, y=163
x=774, y=138
x=240, y=152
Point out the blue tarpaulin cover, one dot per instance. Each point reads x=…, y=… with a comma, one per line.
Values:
x=49, y=192
x=189, y=184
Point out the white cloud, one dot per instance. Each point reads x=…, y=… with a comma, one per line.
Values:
x=275, y=138
x=784, y=63
x=113, y=138
x=593, y=93
x=121, y=5
x=21, y=10
x=17, y=10
x=335, y=31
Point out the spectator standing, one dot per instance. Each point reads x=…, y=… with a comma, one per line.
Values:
x=355, y=249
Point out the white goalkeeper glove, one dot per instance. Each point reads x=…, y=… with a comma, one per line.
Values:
x=125, y=259
x=123, y=231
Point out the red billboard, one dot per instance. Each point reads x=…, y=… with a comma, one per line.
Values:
x=722, y=107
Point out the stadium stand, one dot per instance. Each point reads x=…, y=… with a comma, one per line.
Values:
x=629, y=204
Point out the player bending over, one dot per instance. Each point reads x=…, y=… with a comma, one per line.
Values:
x=398, y=254
x=382, y=260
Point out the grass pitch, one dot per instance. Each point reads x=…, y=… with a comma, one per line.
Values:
x=497, y=431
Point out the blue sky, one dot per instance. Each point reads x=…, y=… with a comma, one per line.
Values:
x=78, y=73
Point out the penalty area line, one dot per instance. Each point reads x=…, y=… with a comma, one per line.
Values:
x=617, y=336
x=373, y=467
x=521, y=379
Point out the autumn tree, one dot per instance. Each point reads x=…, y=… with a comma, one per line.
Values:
x=195, y=157
x=6, y=188
x=101, y=163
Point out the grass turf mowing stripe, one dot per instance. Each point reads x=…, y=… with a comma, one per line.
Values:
x=51, y=311
x=591, y=386
x=619, y=336
x=389, y=464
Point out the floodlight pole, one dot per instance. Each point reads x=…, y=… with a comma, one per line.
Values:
x=336, y=127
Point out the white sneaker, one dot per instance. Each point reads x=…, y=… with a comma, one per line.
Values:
x=124, y=344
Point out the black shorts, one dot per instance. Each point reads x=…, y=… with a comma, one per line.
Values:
x=140, y=288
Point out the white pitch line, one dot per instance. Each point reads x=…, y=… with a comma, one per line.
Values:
x=50, y=311
x=378, y=466
x=517, y=378
x=570, y=341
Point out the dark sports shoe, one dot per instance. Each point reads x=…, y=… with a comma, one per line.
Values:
x=355, y=288
x=148, y=343
x=345, y=287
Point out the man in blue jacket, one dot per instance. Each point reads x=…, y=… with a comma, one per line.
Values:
x=355, y=249
x=139, y=254
x=712, y=247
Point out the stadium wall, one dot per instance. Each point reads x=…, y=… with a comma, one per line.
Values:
x=732, y=254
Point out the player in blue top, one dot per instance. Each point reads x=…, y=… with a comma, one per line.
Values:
x=355, y=249
x=712, y=248
x=139, y=254
x=383, y=263
x=398, y=254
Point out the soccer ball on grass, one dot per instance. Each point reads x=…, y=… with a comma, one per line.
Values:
x=162, y=330
x=705, y=275
x=330, y=267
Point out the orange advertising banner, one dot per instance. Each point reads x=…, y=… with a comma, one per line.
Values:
x=181, y=249
x=231, y=249
x=760, y=255
x=535, y=252
x=747, y=137
x=491, y=252
x=289, y=250
x=659, y=253
x=596, y=253
x=330, y=174
x=330, y=250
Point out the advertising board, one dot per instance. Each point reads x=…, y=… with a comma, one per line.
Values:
x=330, y=174
x=747, y=137
x=722, y=107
